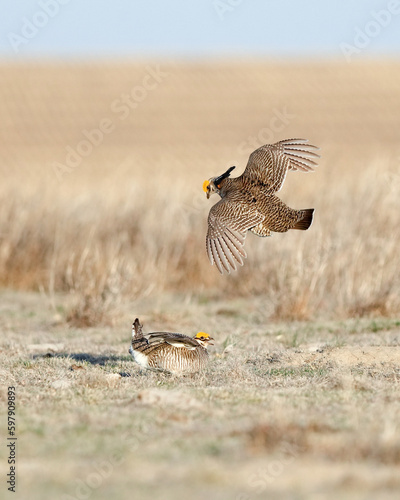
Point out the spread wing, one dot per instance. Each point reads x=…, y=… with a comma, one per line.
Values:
x=175, y=339
x=268, y=165
x=228, y=222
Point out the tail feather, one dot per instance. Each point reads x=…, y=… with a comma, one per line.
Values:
x=306, y=221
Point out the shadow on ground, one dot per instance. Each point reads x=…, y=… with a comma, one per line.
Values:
x=100, y=360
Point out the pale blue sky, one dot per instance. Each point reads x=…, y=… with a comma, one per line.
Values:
x=197, y=28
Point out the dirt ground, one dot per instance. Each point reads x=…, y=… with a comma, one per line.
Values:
x=305, y=410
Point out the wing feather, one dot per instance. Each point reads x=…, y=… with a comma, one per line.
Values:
x=228, y=222
x=236, y=252
x=268, y=165
x=174, y=339
x=216, y=257
x=209, y=251
x=221, y=254
x=228, y=254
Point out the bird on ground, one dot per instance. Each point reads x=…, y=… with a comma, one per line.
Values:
x=249, y=203
x=171, y=352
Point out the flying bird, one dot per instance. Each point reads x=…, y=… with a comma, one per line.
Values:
x=249, y=203
x=171, y=352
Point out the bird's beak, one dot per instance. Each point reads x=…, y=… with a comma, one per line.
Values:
x=208, y=195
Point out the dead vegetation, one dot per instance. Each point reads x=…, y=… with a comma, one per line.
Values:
x=129, y=220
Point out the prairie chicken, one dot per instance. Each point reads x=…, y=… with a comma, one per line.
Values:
x=249, y=202
x=171, y=352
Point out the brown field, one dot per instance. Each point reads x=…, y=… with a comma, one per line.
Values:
x=301, y=396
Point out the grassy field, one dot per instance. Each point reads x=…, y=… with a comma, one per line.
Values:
x=284, y=410
x=103, y=219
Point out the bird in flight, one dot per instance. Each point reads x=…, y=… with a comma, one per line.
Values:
x=249, y=202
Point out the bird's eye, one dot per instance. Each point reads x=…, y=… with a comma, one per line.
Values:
x=219, y=186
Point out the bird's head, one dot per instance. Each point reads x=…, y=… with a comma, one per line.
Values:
x=203, y=339
x=214, y=184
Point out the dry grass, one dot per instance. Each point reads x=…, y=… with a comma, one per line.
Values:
x=130, y=220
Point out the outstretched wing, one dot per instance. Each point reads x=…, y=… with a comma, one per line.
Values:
x=268, y=165
x=228, y=222
x=175, y=339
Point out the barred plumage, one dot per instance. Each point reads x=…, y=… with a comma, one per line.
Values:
x=171, y=352
x=249, y=203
